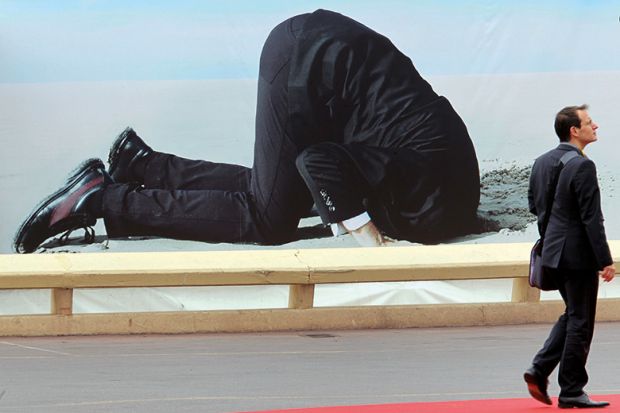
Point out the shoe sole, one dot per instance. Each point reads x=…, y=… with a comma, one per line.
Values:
x=72, y=179
x=573, y=406
x=533, y=389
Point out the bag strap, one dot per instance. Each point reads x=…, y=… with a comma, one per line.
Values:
x=563, y=161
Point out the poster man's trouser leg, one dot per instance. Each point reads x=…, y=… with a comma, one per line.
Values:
x=268, y=212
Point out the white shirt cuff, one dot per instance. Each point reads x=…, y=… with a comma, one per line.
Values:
x=350, y=224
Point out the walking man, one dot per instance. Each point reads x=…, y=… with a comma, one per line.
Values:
x=576, y=252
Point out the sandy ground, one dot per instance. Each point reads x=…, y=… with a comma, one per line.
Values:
x=503, y=206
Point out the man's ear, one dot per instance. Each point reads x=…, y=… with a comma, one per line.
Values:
x=574, y=131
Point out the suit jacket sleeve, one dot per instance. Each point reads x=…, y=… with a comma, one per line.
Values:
x=585, y=185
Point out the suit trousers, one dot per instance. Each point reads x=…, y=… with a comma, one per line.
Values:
x=568, y=343
x=215, y=202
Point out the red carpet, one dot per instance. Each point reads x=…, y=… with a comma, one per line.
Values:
x=460, y=406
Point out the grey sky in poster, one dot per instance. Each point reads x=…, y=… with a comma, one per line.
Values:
x=81, y=40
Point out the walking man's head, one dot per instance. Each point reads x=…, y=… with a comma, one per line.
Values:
x=574, y=125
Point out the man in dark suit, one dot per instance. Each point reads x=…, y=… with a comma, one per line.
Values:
x=344, y=121
x=576, y=252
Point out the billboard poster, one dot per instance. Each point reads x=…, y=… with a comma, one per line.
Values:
x=186, y=78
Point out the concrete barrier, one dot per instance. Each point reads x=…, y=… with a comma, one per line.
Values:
x=300, y=269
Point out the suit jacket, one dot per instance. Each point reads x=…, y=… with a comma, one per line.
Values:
x=350, y=85
x=575, y=236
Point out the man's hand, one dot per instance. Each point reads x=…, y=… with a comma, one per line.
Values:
x=368, y=235
x=608, y=273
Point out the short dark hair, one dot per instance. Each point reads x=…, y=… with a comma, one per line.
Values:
x=566, y=119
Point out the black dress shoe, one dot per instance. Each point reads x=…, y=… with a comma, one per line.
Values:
x=579, y=402
x=76, y=205
x=537, y=385
x=126, y=156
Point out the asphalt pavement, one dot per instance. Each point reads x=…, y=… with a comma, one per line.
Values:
x=223, y=373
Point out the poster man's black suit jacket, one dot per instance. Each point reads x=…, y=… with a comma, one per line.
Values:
x=352, y=86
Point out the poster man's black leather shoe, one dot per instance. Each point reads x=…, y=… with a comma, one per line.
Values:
x=76, y=205
x=580, y=402
x=125, y=157
x=537, y=385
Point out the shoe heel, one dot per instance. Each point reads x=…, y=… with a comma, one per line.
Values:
x=92, y=163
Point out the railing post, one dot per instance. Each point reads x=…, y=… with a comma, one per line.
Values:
x=62, y=301
x=301, y=296
x=523, y=293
